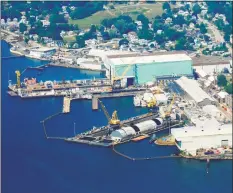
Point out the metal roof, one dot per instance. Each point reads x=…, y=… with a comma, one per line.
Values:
x=144, y=59
x=191, y=87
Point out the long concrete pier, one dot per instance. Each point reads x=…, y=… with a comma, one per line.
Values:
x=66, y=105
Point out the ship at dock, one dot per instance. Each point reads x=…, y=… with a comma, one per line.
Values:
x=133, y=129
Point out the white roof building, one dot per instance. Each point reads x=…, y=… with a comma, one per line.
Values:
x=206, y=134
x=193, y=91
x=222, y=94
x=144, y=59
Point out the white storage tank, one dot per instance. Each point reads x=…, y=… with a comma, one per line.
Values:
x=146, y=125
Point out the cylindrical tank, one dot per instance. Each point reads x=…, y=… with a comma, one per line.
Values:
x=123, y=132
x=146, y=125
x=129, y=130
x=118, y=134
x=158, y=121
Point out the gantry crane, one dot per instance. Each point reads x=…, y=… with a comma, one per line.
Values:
x=111, y=120
x=18, y=78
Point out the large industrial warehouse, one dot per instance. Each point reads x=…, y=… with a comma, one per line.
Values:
x=142, y=68
x=145, y=68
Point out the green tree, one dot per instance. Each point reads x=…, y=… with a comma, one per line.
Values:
x=227, y=37
x=180, y=44
x=54, y=18
x=22, y=27
x=221, y=80
x=166, y=6
x=228, y=88
x=105, y=35
x=144, y=33
x=26, y=40
x=157, y=25
x=179, y=20
x=143, y=19
x=196, y=9
x=93, y=29
x=112, y=33
x=203, y=29
x=123, y=41
x=80, y=41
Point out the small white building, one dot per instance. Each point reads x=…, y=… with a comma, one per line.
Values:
x=45, y=23
x=42, y=52
x=222, y=96
x=168, y=21
x=206, y=134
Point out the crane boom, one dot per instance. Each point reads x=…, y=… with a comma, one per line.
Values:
x=105, y=111
x=111, y=120
x=123, y=74
x=168, y=112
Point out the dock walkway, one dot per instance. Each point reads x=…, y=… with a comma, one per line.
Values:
x=66, y=105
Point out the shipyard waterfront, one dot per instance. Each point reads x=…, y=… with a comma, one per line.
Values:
x=31, y=163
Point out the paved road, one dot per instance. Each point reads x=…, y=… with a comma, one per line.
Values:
x=217, y=34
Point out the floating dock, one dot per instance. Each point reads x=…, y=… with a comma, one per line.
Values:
x=66, y=105
x=101, y=136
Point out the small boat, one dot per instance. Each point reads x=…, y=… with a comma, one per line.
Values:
x=153, y=138
x=139, y=138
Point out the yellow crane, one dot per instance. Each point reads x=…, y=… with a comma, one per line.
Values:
x=18, y=78
x=111, y=120
x=168, y=112
x=152, y=103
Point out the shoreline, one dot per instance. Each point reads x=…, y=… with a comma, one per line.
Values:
x=207, y=157
x=65, y=65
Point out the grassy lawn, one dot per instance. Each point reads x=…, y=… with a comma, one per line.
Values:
x=150, y=10
x=94, y=19
x=69, y=38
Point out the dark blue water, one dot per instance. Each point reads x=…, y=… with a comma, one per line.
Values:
x=30, y=163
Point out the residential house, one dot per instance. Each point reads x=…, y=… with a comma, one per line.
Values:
x=45, y=23
x=23, y=20
x=159, y=32
x=222, y=96
x=168, y=21
x=191, y=25
x=139, y=24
